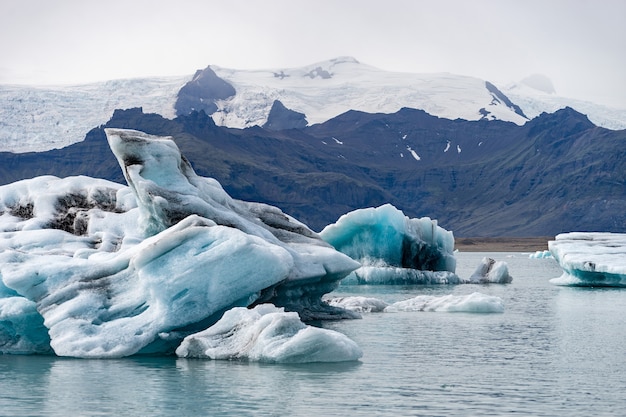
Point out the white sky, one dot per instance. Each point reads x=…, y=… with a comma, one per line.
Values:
x=579, y=44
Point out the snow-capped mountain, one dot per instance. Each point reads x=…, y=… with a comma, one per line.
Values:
x=325, y=90
x=533, y=98
x=43, y=118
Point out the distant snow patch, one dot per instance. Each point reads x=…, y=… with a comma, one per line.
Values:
x=415, y=155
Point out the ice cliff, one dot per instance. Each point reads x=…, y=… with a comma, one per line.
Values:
x=91, y=268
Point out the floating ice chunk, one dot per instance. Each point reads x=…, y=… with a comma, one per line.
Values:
x=491, y=271
x=541, y=254
x=268, y=334
x=590, y=259
x=118, y=305
x=390, y=275
x=359, y=304
x=472, y=303
x=168, y=190
x=392, y=247
x=113, y=271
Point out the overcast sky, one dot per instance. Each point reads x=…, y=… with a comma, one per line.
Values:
x=579, y=44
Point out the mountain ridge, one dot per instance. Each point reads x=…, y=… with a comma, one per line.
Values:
x=39, y=118
x=556, y=173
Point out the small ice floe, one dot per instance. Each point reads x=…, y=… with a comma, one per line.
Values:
x=491, y=271
x=541, y=254
x=381, y=274
x=359, y=304
x=472, y=303
x=268, y=334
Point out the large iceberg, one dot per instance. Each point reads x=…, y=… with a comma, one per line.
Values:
x=590, y=259
x=91, y=268
x=393, y=248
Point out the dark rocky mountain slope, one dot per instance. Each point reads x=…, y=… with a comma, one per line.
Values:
x=556, y=173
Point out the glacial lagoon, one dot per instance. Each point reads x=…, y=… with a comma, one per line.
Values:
x=554, y=350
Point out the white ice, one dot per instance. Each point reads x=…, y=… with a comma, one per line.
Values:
x=268, y=334
x=359, y=304
x=393, y=248
x=590, y=259
x=106, y=270
x=541, y=254
x=472, y=303
x=491, y=271
x=42, y=118
x=381, y=274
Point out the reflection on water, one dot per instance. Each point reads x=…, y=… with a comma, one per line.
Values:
x=554, y=351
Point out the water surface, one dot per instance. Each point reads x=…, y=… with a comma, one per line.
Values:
x=554, y=351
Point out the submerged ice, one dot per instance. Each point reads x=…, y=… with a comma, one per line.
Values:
x=91, y=268
x=393, y=248
x=590, y=259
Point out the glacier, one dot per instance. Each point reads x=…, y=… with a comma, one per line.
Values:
x=393, y=248
x=590, y=259
x=327, y=89
x=40, y=118
x=95, y=269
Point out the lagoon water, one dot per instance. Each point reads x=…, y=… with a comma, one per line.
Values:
x=555, y=351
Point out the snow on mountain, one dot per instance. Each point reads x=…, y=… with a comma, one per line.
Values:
x=533, y=96
x=41, y=118
x=324, y=90
x=44, y=118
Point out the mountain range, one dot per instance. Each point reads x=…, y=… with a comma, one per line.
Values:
x=486, y=165
x=558, y=172
x=40, y=118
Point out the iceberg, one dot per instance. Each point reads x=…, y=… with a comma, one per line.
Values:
x=359, y=304
x=491, y=271
x=593, y=259
x=393, y=248
x=472, y=303
x=379, y=273
x=268, y=334
x=541, y=254
x=90, y=268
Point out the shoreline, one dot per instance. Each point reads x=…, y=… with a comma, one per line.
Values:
x=502, y=244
